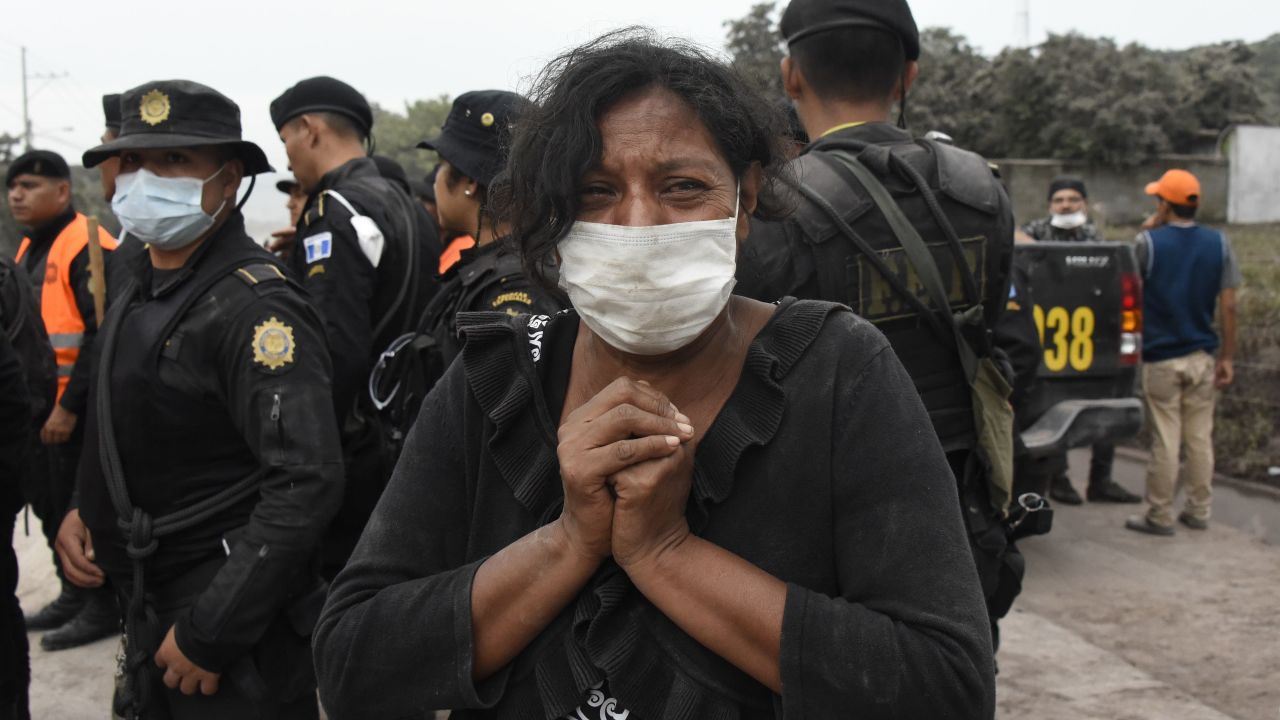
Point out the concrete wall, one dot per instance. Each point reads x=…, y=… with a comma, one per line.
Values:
x=1254, y=152
x=1116, y=195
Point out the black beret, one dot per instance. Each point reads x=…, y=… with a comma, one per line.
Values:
x=322, y=94
x=803, y=18
x=287, y=186
x=44, y=163
x=1067, y=183
x=391, y=170
x=111, y=110
x=473, y=133
x=176, y=114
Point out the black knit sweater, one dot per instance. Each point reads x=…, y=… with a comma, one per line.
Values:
x=822, y=469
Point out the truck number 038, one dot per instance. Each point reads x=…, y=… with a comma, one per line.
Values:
x=1067, y=337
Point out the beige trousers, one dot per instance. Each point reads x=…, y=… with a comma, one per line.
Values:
x=1179, y=396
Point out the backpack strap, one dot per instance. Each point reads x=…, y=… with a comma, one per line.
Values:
x=829, y=271
x=885, y=158
x=917, y=252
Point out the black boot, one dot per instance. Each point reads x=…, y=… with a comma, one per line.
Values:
x=59, y=612
x=100, y=618
x=1107, y=490
x=1062, y=491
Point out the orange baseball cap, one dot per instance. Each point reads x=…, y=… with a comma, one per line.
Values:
x=1178, y=187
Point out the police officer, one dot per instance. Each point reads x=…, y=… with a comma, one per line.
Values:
x=18, y=423
x=55, y=252
x=281, y=241
x=487, y=276
x=850, y=62
x=1068, y=221
x=213, y=465
x=359, y=254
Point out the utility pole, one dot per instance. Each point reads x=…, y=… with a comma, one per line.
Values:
x=28, y=136
x=1022, y=23
x=26, y=112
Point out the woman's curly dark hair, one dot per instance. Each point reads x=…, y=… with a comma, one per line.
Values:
x=557, y=139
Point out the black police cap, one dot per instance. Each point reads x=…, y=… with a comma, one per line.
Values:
x=322, y=94
x=44, y=163
x=111, y=111
x=176, y=114
x=804, y=18
x=287, y=186
x=473, y=133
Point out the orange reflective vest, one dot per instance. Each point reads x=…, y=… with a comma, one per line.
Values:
x=58, y=299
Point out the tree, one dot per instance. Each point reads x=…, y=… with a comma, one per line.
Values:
x=1072, y=97
x=397, y=135
x=1222, y=86
x=951, y=93
x=755, y=45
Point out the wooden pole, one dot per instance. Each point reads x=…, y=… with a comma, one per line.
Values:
x=97, y=272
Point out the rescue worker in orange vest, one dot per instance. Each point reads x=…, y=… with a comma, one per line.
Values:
x=55, y=255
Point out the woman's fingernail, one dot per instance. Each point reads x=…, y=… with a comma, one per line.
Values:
x=685, y=428
x=682, y=418
x=672, y=440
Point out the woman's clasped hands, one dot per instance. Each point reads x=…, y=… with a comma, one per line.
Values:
x=626, y=462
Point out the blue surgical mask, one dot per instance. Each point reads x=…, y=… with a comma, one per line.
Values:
x=165, y=212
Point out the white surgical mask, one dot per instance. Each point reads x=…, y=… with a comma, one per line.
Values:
x=1069, y=221
x=650, y=290
x=165, y=212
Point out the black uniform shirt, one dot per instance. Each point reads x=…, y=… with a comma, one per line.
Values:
x=35, y=262
x=486, y=278
x=208, y=388
x=352, y=296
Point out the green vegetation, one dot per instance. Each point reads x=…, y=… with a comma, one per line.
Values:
x=1072, y=97
x=1246, y=437
x=397, y=135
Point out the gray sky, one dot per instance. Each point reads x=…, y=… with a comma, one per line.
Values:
x=395, y=51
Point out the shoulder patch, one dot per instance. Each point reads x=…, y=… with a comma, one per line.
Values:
x=273, y=344
x=519, y=296
x=318, y=246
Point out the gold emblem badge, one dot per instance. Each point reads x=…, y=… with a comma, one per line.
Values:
x=155, y=107
x=273, y=344
x=486, y=119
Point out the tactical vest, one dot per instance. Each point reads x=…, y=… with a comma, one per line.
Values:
x=58, y=299
x=885, y=288
x=413, y=363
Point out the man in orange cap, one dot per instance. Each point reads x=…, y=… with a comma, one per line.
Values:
x=1188, y=270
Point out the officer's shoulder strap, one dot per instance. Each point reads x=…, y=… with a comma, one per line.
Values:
x=966, y=176
x=257, y=273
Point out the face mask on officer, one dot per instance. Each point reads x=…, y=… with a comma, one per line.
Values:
x=164, y=212
x=1069, y=221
